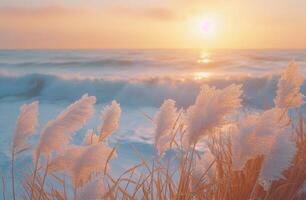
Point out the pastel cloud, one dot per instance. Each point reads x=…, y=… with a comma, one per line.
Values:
x=155, y=13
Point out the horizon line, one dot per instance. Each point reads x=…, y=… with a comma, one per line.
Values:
x=194, y=49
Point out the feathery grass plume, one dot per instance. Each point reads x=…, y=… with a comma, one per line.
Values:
x=205, y=164
x=279, y=157
x=66, y=161
x=95, y=189
x=256, y=135
x=210, y=110
x=288, y=88
x=164, y=121
x=264, y=134
x=80, y=161
x=57, y=133
x=90, y=137
x=94, y=158
x=26, y=125
x=110, y=116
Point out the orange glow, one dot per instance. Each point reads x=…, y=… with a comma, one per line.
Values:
x=209, y=25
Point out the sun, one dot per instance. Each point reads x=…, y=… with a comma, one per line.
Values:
x=207, y=26
x=203, y=27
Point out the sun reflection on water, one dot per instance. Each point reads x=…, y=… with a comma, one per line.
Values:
x=204, y=58
x=201, y=75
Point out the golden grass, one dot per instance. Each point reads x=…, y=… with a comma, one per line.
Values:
x=174, y=179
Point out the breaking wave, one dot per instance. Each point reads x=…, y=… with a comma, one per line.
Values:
x=258, y=91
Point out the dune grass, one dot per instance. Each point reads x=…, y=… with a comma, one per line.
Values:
x=175, y=179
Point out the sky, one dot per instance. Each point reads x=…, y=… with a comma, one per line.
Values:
x=150, y=24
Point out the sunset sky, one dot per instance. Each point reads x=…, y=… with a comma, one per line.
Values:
x=204, y=24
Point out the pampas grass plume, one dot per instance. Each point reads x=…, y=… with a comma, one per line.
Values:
x=26, y=125
x=110, y=117
x=265, y=134
x=288, y=88
x=164, y=121
x=210, y=110
x=57, y=133
x=90, y=137
x=94, y=158
x=95, y=189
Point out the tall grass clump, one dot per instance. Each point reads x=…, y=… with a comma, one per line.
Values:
x=218, y=152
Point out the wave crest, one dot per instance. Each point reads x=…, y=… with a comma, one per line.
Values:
x=259, y=91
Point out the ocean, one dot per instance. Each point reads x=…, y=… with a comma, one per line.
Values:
x=140, y=80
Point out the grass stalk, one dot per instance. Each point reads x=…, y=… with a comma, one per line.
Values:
x=3, y=187
x=13, y=175
x=34, y=174
x=44, y=179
